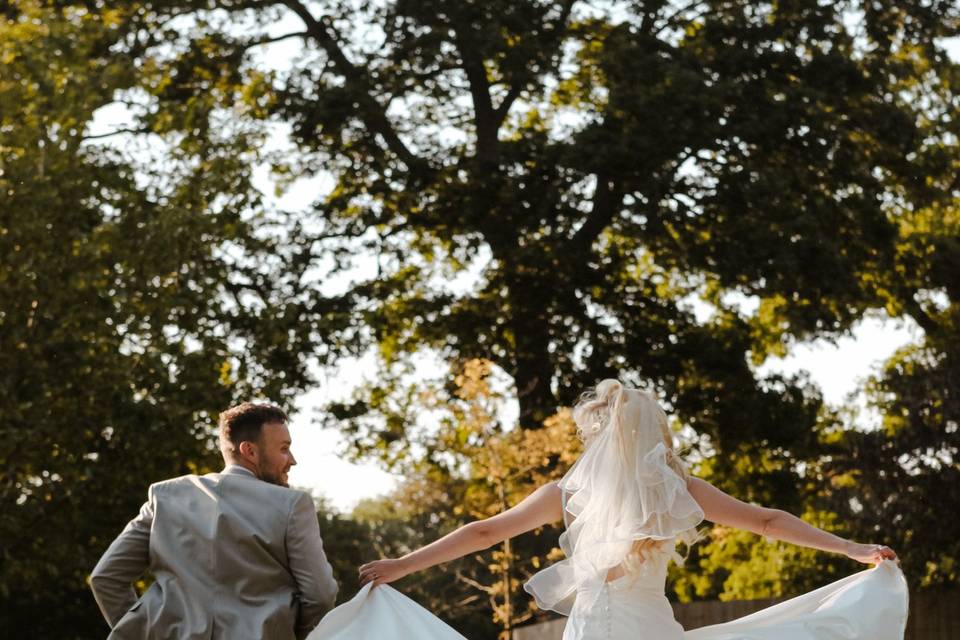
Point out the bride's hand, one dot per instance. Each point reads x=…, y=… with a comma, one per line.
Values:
x=382, y=571
x=871, y=553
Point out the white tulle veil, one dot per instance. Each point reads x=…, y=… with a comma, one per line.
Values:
x=623, y=489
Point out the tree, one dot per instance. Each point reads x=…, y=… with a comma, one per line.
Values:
x=901, y=475
x=603, y=170
x=136, y=301
x=553, y=187
x=592, y=172
x=599, y=167
x=504, y=466
x=522, y=140
x=471, y=468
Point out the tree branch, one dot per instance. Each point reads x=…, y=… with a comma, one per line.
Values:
x=920, y=315
x=487, y=125
x=680, y=17
x=607, y=198
x=475, y=584
x=115, y=133
x=558, y=30
x=286, y=36
x=513, y=93
x=373, y=113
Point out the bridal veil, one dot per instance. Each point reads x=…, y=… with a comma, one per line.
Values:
x=622, y=490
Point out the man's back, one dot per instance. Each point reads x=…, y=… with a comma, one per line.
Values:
x=232, y=556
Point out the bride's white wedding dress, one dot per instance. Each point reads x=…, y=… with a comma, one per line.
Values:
x=870, y=605
x=625, y=487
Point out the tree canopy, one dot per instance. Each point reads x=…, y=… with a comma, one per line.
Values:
x=666, y=192
x=138, y=300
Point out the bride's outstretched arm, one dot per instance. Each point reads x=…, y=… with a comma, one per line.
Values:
x=541, y=507
x=773, y=523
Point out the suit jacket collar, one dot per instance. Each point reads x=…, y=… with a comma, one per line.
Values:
x=237, y=470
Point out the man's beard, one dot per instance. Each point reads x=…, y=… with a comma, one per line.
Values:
x=274, y=479
x=277, y=479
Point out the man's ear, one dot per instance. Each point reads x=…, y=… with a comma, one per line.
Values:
x=248, y=450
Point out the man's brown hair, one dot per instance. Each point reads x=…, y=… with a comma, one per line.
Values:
x=244, y=423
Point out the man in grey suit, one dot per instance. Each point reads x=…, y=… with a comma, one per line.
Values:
x=235, y=555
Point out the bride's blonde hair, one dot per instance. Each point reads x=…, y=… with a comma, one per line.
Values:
x=593, y=413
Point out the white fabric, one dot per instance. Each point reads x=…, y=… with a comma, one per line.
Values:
x=382, y=613
x=870, y=605
x=621, y=490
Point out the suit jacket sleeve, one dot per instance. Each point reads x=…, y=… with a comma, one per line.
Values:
x=124, y=561
x=308, y=564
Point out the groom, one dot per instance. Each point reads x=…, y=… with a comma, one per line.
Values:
x=235, y=555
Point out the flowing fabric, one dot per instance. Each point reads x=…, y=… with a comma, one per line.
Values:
x=621, y=490
x=870, y=605
x=379, y=614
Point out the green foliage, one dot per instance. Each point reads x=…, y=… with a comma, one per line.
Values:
x=899, y=481
x=137, y=302
x=348, y=542
x=735, y=565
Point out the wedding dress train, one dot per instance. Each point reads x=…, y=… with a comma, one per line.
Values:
x=870, y=605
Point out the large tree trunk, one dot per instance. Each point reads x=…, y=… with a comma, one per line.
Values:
x=531, y=369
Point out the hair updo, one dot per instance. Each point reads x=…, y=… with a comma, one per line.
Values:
x=593, y=411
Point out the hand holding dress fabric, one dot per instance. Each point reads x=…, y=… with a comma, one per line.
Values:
x=871, y=553
x=383, y=571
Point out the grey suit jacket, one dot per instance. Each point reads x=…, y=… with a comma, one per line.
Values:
x=233, y=557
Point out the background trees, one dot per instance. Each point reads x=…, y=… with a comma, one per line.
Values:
x=138, y=300
x=668, y=192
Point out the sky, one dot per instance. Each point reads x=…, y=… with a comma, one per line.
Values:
x=838, y=367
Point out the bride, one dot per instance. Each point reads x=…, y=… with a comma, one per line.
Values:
x=626, y=503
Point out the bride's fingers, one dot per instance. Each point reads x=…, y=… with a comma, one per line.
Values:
x=370, y=573
x=882, y=552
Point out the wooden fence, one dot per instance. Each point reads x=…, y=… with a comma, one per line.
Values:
x=933, y=616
